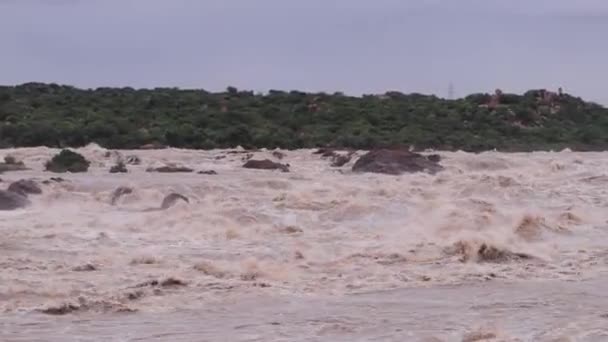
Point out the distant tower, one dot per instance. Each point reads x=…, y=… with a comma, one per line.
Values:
x=451, y=91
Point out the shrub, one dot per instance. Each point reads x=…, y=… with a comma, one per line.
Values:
x=67, y=161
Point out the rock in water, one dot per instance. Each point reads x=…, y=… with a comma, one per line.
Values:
x=207, y=172
x=339, y=160
x=278, y=154
x=118, y=193
x=170, y=200
x=395, y=162
x=25, y=186
x=119, y=168
x=265, y=164
x=4, y=167
x=170, y=169
x=11, y=200
x=435, y=158
x=133, y=160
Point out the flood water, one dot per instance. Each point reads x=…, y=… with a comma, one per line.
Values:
x=497, y=247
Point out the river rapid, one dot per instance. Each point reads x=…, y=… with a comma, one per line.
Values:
x=496, y=247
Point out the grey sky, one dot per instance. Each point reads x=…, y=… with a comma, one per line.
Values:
x=354, y=46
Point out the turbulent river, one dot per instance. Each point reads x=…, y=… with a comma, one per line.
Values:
x=496, y=247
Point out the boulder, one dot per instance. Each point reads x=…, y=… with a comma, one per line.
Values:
x=25, y=186
x=395, y=162
x=12, y=200
x=265, y=164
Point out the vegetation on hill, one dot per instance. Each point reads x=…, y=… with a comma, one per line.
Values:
x=35, y=114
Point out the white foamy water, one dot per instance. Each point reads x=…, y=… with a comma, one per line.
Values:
x=507, y=247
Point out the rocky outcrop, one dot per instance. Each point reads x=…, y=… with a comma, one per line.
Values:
x=395, y=162
x=265, y=164
x=10, y=200
x=25, y=187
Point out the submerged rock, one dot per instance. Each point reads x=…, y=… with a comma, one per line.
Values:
x=278, y=154
x=395, y=162
x=53, y=180
x=325, y=152
x=62, y=309
x=484, y=252
x=25, y=186
x=118, y=193
x=170, y=200
x=10, y=200
x=265, y=164
x=337, y=159
x=132, y=160
x=120, y=167
x=16, y=166
x=435, y=158
x=207, y=172
x=170, y=169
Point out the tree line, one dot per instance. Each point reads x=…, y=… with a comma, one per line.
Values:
x=40, y=114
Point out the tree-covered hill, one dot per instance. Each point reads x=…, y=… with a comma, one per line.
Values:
x=35, y=114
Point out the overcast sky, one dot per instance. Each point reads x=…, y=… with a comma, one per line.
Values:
x=354, y=46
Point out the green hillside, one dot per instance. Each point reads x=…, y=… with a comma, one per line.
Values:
x=35, y=114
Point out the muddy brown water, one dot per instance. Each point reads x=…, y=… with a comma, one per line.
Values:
x=316, y=254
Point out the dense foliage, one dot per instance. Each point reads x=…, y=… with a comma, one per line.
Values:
x=36, y=114
x=67, y=161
